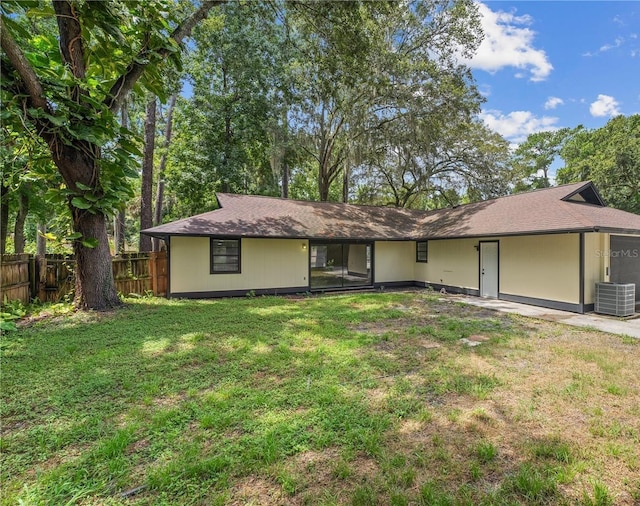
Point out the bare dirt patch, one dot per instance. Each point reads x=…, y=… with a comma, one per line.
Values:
x=257, y=491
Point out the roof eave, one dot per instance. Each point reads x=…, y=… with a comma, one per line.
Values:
x=614, y=230
x=164, y=235
x=514, y=234
x=158, y=235
x=412, y=237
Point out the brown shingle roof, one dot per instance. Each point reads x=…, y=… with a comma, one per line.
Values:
x=540, y=211
x=255, y=216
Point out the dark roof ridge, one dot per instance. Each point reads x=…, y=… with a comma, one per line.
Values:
x=503, y=197
x=528, y=192
x=301, y=201
x=427, y=211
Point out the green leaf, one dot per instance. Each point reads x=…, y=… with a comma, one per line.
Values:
x=84, y=187
x=55, y=119
x=130, y=147
x=91, y=197
x=16, y=30
x=91, y=243
x=74, y=236
x=131, y=172
x=7, y=326
x=34, y=112
x=39, y=11
x=80, y=203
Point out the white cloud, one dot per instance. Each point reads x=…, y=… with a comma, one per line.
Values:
x=485, y=90
x=508, y=42
x=607, y=47
x=617, y=43
x=553, y=102
x=517, y=125
x=604, y=106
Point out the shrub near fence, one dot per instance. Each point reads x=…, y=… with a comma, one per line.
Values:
x=50, y=279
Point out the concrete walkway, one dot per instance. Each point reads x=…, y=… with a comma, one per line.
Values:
x=611, y=324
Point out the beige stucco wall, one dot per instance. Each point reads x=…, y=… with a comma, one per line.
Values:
x=541, y=266
x=265, y=263
x=594, y=263
x=394, y=261
x=452, y=262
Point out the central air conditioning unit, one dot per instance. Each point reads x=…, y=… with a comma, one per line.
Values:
x=616, y=299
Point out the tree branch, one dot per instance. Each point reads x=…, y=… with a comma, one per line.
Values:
x=23, y=67
x=71, y=47
x=125, y=82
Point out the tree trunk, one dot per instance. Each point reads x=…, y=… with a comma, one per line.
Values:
x=119, y=231
x=18, y=231
x=41, y=240
x=323, y=188
x=4, y=217
x=324, y=182
x=345, y=185
x=158, y=211
x=95, y=288
x=120, y=219
x=285, y=151
x=285, y=180
x=157, y=218
x=146, y=190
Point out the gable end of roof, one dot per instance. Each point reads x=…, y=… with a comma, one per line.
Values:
x=587, y=194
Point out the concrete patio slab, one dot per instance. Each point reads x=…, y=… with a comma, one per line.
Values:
x=628, y=327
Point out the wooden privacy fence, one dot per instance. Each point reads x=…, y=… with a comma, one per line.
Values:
x=14, y=278
x=51, y=278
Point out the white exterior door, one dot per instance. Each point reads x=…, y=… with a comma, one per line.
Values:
x=489, y=269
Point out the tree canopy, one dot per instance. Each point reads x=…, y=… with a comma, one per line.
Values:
x=321, y=99
x=64, y=79
x=610, y=157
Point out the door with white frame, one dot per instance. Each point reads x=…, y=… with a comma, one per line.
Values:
x=489, y=256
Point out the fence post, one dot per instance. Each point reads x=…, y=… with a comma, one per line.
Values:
x=153, y=271
x=41, y=280
x=33, y=273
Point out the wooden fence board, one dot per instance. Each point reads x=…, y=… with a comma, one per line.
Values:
x=14, y=278
x=50, y=279
x=58, y=278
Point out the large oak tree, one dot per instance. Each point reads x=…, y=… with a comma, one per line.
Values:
x=66, y=85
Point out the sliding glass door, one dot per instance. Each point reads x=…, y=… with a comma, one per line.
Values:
x=340, y=264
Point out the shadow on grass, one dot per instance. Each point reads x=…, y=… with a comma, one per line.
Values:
x=184, y=397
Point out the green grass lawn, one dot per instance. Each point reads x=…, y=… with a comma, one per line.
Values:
x=347, y=399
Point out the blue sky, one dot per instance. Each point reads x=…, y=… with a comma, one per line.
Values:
x=545, y=64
